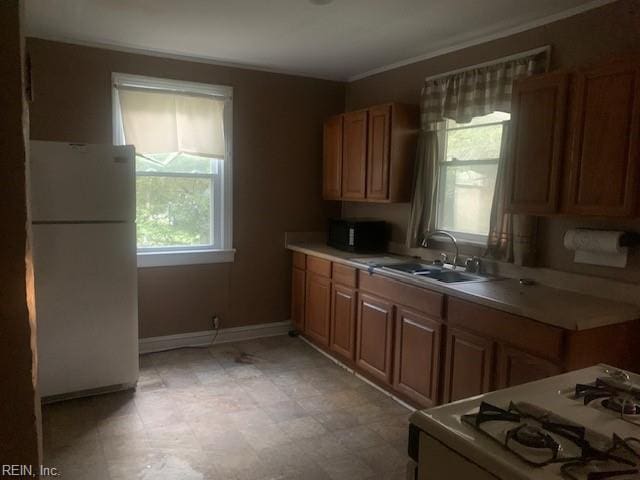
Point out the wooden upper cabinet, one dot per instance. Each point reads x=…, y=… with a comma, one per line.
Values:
x=374, y=159
x=317, y=308
x=417, y=356
x=354, y=156
x=332, y=158
x=604, y=150
x=378, y=152
x=405, y=120
x=538, y=112
x=375, y=337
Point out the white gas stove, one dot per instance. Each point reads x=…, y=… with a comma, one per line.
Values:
x=582, y=425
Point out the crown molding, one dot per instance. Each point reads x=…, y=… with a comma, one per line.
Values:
x=173, y=55
x=484, y=38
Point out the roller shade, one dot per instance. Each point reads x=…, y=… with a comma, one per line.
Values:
x=158, y=121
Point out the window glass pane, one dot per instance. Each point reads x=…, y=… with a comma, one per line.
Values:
x=475, y=143
x=175, y=163
x=465, y=198
x=173, y=211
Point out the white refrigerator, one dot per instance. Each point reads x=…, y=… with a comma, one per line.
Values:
x=84, y=247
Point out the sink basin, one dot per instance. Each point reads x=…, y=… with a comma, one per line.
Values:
x=415, y=268
x=451, y=276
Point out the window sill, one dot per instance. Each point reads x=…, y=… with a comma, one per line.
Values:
x=473, y=243
x=190, y=257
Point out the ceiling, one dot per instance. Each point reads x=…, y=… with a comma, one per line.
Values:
x=339, y=40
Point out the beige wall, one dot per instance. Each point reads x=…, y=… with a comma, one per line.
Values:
x=277, y=175
x=591, y=36
x=19, y=402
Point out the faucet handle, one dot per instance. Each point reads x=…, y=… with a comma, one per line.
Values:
x=444, y=258
x=472, y=265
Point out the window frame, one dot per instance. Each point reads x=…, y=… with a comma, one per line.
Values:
x=221, y=249
x=462, y=237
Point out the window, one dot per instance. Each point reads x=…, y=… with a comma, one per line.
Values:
x=467, y=176
x=182, y=135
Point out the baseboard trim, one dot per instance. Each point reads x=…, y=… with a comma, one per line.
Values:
x=204, y=338
x=361, y=377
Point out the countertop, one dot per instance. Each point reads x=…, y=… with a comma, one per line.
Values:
x=552, y=306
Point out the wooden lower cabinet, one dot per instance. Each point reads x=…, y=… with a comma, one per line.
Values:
x=469, y=365
x=317, y=308
x=375, y=337
x=417, y=356
x=297, y=298
x=343, y=321
x=515, y=367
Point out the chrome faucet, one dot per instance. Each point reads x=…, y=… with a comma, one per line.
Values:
x=435, y=233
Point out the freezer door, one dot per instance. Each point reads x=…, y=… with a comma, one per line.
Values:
x=81, y=182
x=86, y=306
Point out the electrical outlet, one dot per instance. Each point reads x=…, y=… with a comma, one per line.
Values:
x=215, y=320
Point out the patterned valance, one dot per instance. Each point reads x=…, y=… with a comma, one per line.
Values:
x=476, y=91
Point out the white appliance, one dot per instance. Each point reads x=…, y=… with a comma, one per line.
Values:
x=84, y=246
x=582, y=425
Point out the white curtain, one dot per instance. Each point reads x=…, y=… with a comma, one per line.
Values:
x=462, y=96
x=422, y=217
x=158, y=121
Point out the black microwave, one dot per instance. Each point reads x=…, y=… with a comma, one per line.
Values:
x=358, y=235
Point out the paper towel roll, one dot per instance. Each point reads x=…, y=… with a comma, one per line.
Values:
x=597, y=247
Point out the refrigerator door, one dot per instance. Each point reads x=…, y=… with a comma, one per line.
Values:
x=81, y=182
x=86, y=306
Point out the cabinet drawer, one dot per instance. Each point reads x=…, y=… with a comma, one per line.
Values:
x=344, y=275
x=520, y=332
x=318, y=265
x=299, y=260
x=421, y=299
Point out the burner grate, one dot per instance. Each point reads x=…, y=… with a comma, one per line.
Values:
x=620, y=462
x=536, y=439
x=530, y=439
x=614, y=394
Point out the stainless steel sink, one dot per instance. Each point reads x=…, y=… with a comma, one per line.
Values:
x=436, y=273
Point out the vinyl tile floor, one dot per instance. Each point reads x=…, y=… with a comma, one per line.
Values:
x=271, y=408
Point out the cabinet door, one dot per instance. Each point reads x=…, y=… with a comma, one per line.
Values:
x=516, y=367
x=297, y=298
x=378, y=152
x=469, y=364
x=374, y=337
x=354, y=155
x=332, y=159
x=317, y=308
x=604, y=151
x=537, y=142
x=343, y=321
x=417, y=356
